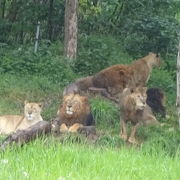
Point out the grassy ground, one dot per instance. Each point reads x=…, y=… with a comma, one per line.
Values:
x=53, y=161
x=109, y=158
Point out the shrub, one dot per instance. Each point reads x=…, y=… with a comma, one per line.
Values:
x=47, y=62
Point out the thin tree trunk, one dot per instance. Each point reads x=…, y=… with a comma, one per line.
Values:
x=3, y=8
x=71, y=29
x=178, y=85
x=50, y=27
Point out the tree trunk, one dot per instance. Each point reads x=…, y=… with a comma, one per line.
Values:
x=71, y=29
x=178, y=85
x=50, y=27
x=3, y=8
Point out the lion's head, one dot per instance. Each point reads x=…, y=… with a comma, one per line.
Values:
x=32, y=111
x=74, y=105
x=154, y=59
x=135, y=97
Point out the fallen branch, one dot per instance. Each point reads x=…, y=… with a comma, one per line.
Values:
x=23, y=136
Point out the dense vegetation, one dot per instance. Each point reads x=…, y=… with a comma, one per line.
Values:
x=110, y=32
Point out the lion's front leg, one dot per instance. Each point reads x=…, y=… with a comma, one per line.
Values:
x=131, y=138
x=74, y=128
x=63, y=128
x=123, y=131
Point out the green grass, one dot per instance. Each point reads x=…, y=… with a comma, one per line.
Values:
x=109, y=157
x=42, y=160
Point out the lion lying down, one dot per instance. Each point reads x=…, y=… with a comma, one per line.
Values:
x=74, y=113
x=112, y=80
x=12, y=123
x=134, y=109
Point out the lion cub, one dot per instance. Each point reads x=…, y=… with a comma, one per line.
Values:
x=11, y=123
x=134, y=109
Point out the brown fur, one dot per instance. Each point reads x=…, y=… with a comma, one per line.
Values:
x=111, y=81
x=115, y=78
x=135, y=110
x=74, y=113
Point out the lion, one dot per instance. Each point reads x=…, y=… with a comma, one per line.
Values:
x=74, y=113
x=12, y=123
x=156, y=100
x=111, y=81
x=134, y=109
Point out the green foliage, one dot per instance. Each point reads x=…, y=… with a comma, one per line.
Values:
x=160, y=139
x=48, y=160
x=97, y=53
x=148, y=33
x=163, y=79
x=47, y=62
x=106, y=114
x=21, y=17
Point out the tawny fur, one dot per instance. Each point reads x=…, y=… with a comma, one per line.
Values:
x=12, y=123
x=112, y=80
x=74, y=113
x=118, y=77
x=134, y=109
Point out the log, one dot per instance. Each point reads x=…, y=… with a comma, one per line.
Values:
x=23, y=136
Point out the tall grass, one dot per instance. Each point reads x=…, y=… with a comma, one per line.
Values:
x=53, y=161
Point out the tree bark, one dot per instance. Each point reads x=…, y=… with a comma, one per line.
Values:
x=23, y=136
x=50, y=26
x=71, y=29
x=178, y=85
x=3, y=9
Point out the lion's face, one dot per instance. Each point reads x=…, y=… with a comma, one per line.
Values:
x=32, y=110
x=73, y=103
x=139, y=96
x=156, y=59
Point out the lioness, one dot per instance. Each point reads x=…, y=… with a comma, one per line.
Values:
x=11, y=123
x=111, y=81
x=133, y=108
x=73, y=114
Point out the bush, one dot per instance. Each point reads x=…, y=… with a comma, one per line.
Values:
x=46, y=62
x=97, y=53
x=162, y=79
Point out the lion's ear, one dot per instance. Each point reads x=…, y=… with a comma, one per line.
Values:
x=144, y=89
x=25, y=102
x=40, y=104
x=85, y=99
x=126, y=91
x=158, y=55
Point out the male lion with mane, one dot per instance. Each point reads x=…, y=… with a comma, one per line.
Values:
x=12, y=123
x=111, y=81
x=134, y=109
x=74, y=113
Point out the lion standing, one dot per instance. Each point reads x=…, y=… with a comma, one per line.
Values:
x=134, y=109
